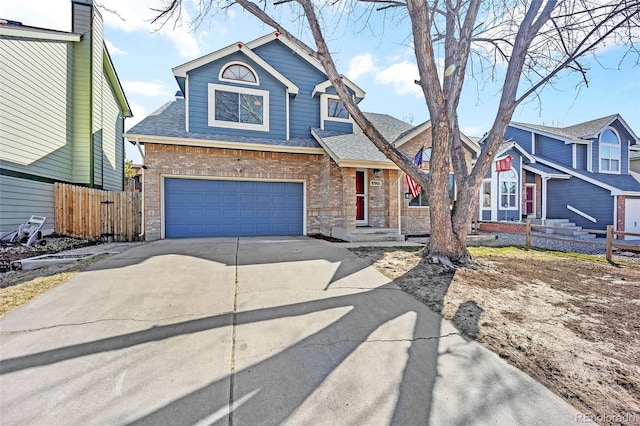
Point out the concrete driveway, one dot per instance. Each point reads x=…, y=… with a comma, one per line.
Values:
x=250, y=331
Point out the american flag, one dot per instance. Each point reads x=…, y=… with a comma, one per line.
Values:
x=414, y=188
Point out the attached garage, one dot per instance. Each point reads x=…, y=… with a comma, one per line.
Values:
x=229, y=208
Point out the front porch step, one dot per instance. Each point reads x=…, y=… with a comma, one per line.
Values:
x=366, y=234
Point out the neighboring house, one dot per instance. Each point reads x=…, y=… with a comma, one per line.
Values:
x=579, y=174
x=62, y=114
x=260, y=145
x=634, y=160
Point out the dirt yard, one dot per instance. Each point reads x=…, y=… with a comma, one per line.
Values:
x=572, y=322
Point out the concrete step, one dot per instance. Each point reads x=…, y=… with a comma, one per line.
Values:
x=568, y=230
x=555, y=222
x=584, y=235
x=367, y=234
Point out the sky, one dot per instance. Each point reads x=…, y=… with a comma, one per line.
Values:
x=375, y=54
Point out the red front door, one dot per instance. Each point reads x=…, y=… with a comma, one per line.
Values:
x=360, y=197
x=529, y=201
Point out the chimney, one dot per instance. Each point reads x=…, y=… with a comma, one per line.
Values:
x=81, y=16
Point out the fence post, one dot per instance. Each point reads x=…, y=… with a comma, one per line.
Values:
x=609, y=253
x=528, y=237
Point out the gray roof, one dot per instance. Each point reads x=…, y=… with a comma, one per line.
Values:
x=356, y=146
x=169, y=121
x=580, y=130
x=545, y=169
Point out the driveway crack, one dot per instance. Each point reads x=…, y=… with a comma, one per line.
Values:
x=415, y=339
x=233, y=336
x=75, y=324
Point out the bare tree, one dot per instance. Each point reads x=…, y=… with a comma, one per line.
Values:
x=535, y=40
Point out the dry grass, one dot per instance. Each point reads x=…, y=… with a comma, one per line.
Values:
x=24, y=286
x=19, y=294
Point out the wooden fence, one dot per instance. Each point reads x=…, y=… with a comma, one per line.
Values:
x=95, y=214
x=613, y=239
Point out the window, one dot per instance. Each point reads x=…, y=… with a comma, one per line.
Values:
x=426, y=155
x=421, y=199
x=238, y=72
x=333, y=109
x=240, y=108
x=509, y=190
x=336, y=109
x=609, y=152
x=486, y=194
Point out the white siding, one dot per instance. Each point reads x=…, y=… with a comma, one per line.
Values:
x=35, y=108
x=21, y=198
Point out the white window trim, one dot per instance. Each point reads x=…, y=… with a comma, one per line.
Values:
x=619, y=146
x=264, y=127
x=229, y=64
x=324, y=111
x=482, y=206
x=500, y=180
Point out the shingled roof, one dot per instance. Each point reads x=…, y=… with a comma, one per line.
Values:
x=581, y=130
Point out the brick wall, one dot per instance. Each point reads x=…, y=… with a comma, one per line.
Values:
x=502, y=227
x=619, y=226
x=174, y=160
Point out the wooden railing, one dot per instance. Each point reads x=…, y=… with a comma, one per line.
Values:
x=95, y=214
x=527, y=227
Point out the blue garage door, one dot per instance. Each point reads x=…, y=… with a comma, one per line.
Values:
x=225, y=208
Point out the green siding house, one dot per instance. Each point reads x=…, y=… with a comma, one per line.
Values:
x=62, y=112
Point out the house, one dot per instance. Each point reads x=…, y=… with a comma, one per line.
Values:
x=258, y=143
x=62, y=112
x=577, y=176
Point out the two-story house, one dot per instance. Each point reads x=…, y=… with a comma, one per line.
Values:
x=258, y=143
x=62, y=114
x=578, y=174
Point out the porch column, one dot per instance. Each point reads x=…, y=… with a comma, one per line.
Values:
x=349, y=197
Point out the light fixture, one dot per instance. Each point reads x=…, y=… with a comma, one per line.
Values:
x=239, y=167
x=377, y=172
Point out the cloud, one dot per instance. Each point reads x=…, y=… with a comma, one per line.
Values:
x=402, y=77
x=360, y=65
x=131, y=16
x=145, y=88
x=113, y=49
x=53, y=14
x=473, y=131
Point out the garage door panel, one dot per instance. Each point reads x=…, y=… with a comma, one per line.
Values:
x=207, y=208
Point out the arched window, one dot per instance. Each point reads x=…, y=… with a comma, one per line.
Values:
x=239, y=72
x=609, y=151
x=509, y=189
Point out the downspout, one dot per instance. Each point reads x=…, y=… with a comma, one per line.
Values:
x=615, y=213
x=144, y=169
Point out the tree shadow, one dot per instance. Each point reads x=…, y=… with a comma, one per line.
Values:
x=291, y=385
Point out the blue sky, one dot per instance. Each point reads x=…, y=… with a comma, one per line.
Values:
x=377, y=58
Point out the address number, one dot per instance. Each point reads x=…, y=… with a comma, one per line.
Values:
x=375, y=183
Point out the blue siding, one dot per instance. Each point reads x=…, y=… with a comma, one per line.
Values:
x=200, y=77
x=486, y=214
x=335, y=126
x=590, y=199
x=222, y=208
x=555, y=150
x=581, y=157
x=522, y=137
x=304, y=110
